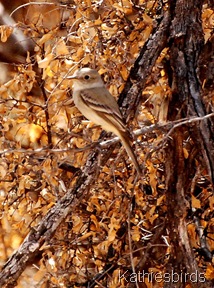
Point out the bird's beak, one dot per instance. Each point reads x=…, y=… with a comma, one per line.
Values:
x=71, y=77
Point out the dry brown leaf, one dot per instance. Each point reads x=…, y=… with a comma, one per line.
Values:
x=5, y=32
x=196, y=203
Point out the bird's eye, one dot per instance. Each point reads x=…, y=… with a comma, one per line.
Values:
x=86, y=77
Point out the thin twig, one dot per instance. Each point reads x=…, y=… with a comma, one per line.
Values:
x=35, y=3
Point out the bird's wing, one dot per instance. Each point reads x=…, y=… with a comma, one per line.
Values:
x=105, y=105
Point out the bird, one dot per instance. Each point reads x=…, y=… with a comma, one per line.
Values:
x=96, y=103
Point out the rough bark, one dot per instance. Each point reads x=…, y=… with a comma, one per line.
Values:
x=186, y=42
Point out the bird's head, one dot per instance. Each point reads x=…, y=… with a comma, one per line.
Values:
x=86, y=78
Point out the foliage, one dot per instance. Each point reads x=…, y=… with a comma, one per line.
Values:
x=120, y=223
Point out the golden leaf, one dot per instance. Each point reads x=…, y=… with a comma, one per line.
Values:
x=61, y=48
x=5, y=32
x=195, y=202
x=45, y=38
x=209, y=272
x=46, y=61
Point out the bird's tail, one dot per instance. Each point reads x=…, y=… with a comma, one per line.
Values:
x=126, y=143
